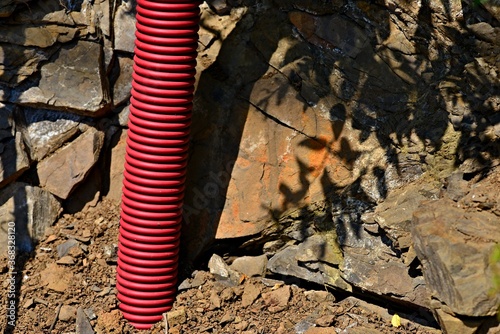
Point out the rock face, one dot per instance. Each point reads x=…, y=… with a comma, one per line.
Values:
x=330, y=105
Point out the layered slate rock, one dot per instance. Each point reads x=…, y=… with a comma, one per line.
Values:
x=315, y=260
x=394, y=215
x=45, y=131
x=124, y=26
x=7, y=7
x=31, y=208
x=74, y=80
x=67, y=167
x=14, y=159
x=17, y=63
x=454, y=246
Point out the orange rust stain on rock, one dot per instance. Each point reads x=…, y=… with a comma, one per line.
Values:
x=319, y=154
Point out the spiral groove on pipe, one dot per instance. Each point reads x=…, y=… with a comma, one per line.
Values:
x=156, y=158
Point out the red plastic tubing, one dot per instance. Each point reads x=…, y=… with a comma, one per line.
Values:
x=156, y=158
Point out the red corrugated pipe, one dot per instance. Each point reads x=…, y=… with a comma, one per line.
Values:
x=156, y=155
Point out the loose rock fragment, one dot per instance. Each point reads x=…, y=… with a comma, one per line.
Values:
x=176, y=317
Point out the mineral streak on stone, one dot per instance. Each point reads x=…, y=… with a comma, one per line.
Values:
x=46, y=130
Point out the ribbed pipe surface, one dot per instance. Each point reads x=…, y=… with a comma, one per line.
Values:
x=156, y=158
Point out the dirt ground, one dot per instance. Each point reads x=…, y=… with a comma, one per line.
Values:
x=70, y=279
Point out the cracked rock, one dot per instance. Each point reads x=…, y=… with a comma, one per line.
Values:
x=66, y=168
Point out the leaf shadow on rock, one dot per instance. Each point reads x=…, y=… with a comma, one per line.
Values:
x=406, y=78
x=397, y=97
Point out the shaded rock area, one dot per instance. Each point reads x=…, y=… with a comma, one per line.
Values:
x=32, y=209
x=454, y=240
x=349, y=144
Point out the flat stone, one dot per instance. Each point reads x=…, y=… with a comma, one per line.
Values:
x=67, y=313
x=215, y=302
x=227, y=294
x=90, y=313
x=456, y=186
x=67, y=260
x=250, y=265
x=322, y=248
x=31, y=208
x=123, y=115
x=66, y=168
x=83, y=325
x=199, y=279
x=56, y=277
x=64, y=248
x=331, y=30
x=250, y=294
x=87, y=194
x=372, y=265
x=227, y=318
x=222, y=272
x=454, y=246
x=394, y=215
x=321, y=330
x=452, y=324
x=325, y=321
x=319, y=296
x=398, y=41
x=485, y=31
x=71, y=82
x=277, y=300
x=176, y=317
x=285, y=263
x=29, y=36
x=28, y=303
x=423, y=324
x=221, y=7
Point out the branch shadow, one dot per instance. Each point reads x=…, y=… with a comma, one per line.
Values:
x=386, y=88
x=402, y=99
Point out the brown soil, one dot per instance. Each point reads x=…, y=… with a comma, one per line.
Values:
x=85, y=277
